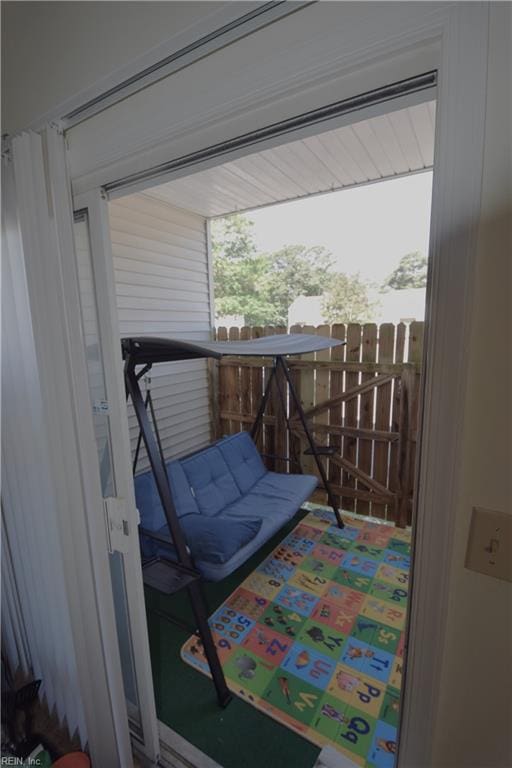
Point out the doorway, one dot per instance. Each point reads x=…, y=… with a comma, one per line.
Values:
x=163, y=285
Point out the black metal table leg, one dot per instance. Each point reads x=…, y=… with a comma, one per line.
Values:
x=180, y=545
x=261, y=410
x=311, y=442
x=282, y=401
x=198, y=603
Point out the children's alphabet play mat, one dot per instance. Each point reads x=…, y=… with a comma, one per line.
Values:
x=314, y=637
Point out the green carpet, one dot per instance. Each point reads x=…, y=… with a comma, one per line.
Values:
x=238, y=735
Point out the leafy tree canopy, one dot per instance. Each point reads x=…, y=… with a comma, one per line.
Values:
x=410, y=273
x=261, y=287
x=293, y=271
x=233, y=238
x=237, y=269
x=347, y=300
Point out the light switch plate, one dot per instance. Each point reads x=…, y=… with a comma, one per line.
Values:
x=490, y=543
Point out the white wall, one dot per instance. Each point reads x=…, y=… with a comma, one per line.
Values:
x=52, y=51
x=474, y=726
x=162, y=288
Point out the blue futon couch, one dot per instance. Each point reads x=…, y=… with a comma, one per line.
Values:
x=228, y=504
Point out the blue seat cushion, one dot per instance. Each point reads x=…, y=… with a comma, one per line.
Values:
x=217, y=539
x=210, y=481
x=273, y=516
x=183, y=498
x=210, y=539
x=255, y=505
x=243, y=460
x=148, y=500
x=292, y=489
x=272, y=520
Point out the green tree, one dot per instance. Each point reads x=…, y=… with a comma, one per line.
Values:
x=233, y=238
x=347, y=300
x=261, y=287
x=237, y=270
x=410, y=273
x=295, y=270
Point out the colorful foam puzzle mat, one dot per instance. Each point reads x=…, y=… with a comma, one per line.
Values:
x=315, y=636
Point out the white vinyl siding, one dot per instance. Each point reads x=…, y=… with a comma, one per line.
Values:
x=162, y=289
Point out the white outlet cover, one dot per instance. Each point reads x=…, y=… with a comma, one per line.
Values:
x=490, y=543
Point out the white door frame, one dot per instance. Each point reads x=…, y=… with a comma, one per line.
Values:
x=461, y=30
x=456, y=206
x=220, y=26
x=71, y=510
x=96, y=205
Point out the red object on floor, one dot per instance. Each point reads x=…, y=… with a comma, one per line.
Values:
x=73, y=760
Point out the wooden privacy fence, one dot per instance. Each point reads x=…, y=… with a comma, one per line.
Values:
x=360, y=399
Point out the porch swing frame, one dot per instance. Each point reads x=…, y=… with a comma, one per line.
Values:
x=182, y=573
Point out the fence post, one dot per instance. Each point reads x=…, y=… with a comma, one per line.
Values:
x=222, y=335
x=406, y=420
x=394, y=451
x=307, y=395
x=268, y=430
x=366, y=402
x=338, y=331
x=322, y=392
x=352, y=379
x=245, y=385
x=383, y=420
x=415, y=355
x=280, y=431
x=233, y=387
x=295, y=445
x=257, y=389
x=214, y=398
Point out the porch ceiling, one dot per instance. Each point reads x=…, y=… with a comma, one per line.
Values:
x=382, y=147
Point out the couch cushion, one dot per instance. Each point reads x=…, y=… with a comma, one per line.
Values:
x=211, y=481
x=243, y=460
x=217, y=539
x=293, y=489
x=273, y=513
x=211, y=540
x=148, y=501
x=181, y=491
x=272, y=521
x=254, y=505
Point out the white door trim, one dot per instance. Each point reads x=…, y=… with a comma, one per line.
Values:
x=170, y=57
x=177, y=752
x=456, y=206
x=85, y=433
x=108, y=327
x=71, y=510
x=216, y=28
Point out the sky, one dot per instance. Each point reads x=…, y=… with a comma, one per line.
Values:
x=367, y=229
